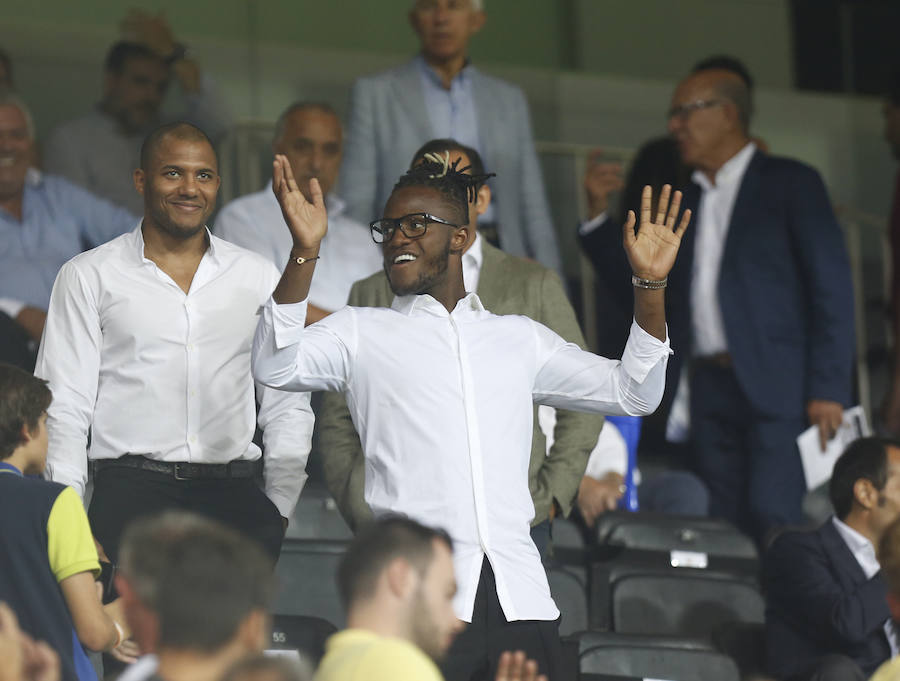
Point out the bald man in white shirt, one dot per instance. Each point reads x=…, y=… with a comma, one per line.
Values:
x=441, y=391
x=147, y=346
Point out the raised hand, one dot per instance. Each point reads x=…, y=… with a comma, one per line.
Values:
x=652, y=250
x=600, y=180
x=513, y=666
x=307, y=221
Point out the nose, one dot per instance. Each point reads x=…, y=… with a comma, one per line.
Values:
x=188, y=186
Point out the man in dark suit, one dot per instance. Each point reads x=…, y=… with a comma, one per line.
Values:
x=827, y=613
x=760, y=303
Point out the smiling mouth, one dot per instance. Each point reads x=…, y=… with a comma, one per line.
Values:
x=403, y=258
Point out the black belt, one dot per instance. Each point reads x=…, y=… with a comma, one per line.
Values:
x=182, y=470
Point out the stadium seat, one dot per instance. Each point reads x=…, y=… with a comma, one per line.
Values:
x=317, y=517
x=569, y=590
x=305, y=634
x=613, y=655
x=306, y=579
x=664, y=532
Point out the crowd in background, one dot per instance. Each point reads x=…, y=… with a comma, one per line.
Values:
x=186, y=377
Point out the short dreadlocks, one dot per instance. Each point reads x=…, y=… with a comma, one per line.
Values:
x=454, y=183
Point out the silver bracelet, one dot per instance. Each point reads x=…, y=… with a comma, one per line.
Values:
x=648, y=283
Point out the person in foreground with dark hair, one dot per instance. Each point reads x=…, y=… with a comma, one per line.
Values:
x=441, y=390
x=160, y=320
x=397, y=584
x=47, y=557
x=210, y=593
x=99, y=150
x=827, y=616
x=505, y=284
x=267, y=668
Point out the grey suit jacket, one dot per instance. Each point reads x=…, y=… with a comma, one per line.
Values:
x=388, y=122
x=506, y=285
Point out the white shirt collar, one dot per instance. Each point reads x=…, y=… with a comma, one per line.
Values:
x=731, y=171
x=137, y=241
x=475, y=254
x=411, y=304
x=859, y=546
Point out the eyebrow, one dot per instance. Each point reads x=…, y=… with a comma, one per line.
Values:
x=199, y=170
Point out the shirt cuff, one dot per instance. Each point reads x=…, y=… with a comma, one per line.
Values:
x=287, y=321
x=11, y=307
x=589, y=226
x=643, y=352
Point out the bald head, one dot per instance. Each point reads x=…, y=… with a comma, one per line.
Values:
x=175, y=131
x=709, y=117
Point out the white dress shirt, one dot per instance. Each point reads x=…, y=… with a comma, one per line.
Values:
x=152, y=370
x=714, y=216
x=864, y=552
x=472, y=260
x=443, y=406
x=347, y=253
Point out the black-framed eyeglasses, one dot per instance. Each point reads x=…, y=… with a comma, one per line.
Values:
x=413, y=226
x=682, y=111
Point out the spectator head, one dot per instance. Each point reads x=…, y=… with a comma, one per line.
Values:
x=208, y=586
x=178, y=178
x=267, y=668
x=469, y=162
x=310, y=135
x=134, y=84
x=16, y=145
x=889, y=560
x=709, y=117
x=425, y=228
x=892, y=114
x=397, y=579
x=865, y=484
x=444, y=27
x=6, y=74
x=142, y=559
x=24, y=400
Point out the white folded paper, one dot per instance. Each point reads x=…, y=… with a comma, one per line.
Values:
x=817, y=464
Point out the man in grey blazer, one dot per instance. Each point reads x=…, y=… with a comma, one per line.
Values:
x=506, y=285
x=440, y=94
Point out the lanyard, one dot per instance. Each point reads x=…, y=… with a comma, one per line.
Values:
x=9, y=468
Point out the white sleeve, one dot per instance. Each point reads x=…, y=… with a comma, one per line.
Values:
x=288, y=356
x=589, y=226
x=69, y=359
x=572, y=378
x=11, y=307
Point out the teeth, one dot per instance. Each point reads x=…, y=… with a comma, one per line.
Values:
x=404, y=257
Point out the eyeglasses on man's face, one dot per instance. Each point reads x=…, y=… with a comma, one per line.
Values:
x=413, y=226
x=682, y=111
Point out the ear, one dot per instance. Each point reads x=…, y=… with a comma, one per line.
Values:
x=461, y=238
x=483, y=200
x=865, y=494
x=139, y=178
x=400, y=578
x=26, y=435
x=477, y=21
x=254, y=632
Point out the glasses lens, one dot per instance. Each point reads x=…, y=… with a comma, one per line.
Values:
x=378, y=231
x=414, y=225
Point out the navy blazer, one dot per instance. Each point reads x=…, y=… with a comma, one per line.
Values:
x=785, y=289
x=818, y=601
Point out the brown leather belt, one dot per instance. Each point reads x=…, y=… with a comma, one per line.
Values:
x=720, y=360
x=182, y=470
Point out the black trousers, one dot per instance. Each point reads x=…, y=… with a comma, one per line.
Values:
x=122, y=495
x=749, y=461
x=474, y=654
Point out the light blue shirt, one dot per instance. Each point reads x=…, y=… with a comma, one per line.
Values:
x=452, y=112
x=59, y=221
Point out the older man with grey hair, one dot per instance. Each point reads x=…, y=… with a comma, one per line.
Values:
x=44, y=221
x=441, y=94
x=310, y=135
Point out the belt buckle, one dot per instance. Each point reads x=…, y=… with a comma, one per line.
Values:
x=178, y=475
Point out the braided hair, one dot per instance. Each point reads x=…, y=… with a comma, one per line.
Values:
x=454, y=183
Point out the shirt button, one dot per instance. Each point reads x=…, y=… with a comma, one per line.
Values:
x=193, y=438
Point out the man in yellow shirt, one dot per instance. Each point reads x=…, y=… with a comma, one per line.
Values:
x=397, y=584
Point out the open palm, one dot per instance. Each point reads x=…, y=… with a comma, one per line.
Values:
x=307, y=221
x=652, y=249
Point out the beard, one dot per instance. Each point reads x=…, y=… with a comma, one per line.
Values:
x=426, y=634
x=162, y=220
x=432, y=271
